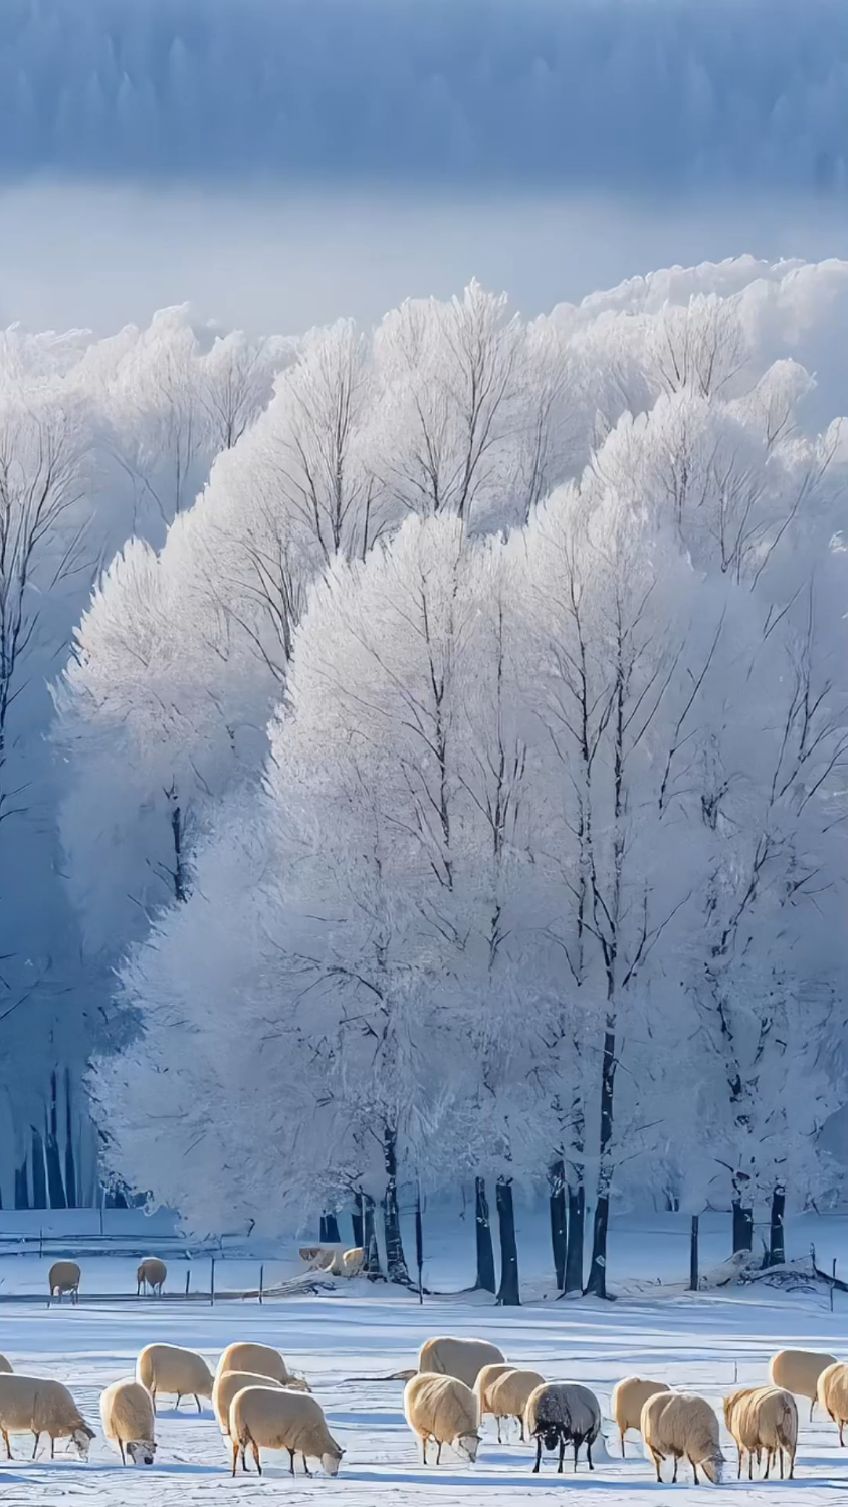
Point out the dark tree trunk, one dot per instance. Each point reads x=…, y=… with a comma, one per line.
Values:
x=559, y=1225
x=508, y=1289
x=396, y=1267
x=597, y=1283
x=576, y=1236
x=70, y=1167
x=358, y=1224
x=180, y=875
x=333, y=1236
x=323, y=1237
x=743, y=1227
x=39, y=1183
x=777, y=1242
x=21, y=1186
x=55, y=1185
x=369, y=1239
x=485, y=1279
x=693, y=1254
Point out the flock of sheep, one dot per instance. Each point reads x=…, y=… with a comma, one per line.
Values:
x=259, y=1404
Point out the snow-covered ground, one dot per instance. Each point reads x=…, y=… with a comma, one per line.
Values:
x=706, y=1343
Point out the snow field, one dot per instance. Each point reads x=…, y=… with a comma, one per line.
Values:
x=707, y=1344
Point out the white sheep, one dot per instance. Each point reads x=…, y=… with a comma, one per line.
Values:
x=64, y=1276
x=560, y=1413
x=628, y=1399
x=444, y=1409
x=486, y=1377
x=762, y=1419
x=682, y=1424
x=5, y=1366
x=353, y=1261
x=464, y=1359
x=32, y=1404
x=262, y=1360
x=833, y=1394
x=323, y=1258
x=278, y=1418
x=798, y=1371
x=224, y=1390
x=151, y=1273
x=126, y=1412
x=508, y=1396
x=169, y=1368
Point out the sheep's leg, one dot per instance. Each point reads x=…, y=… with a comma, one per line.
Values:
x=589, y=1456
x=674, y=1474
x=153, y=1395
x=623, y=1450
x=841, y=1427
x=8, y=1445
x=738, y=1461
x=235, y=1455
x=35, y=1446
x=123, y=1452
x=769, y=1457
x=197, y=1400
x=424, y=1450
x=750, y=1465
x=561, y=1465
x=255, y=1449
x=538, y=1455
x=576, y=1449
x=177, y=1403
x=812, y=1406
x=306, y=1470
x=244, y=1458
x=439, y=1453
x=791, y=1454
x=657, y=1459
x=695, y=1471
x=521, y=1430
x=498, y=1422
x=52, y=1447
x=291, y=1462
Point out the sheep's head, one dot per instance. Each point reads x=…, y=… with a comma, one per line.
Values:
x=80, y=1440
x=467, y=1445
x=712, y=1467
x=551, y=1437
x=141, y=1451
x=332, y=1460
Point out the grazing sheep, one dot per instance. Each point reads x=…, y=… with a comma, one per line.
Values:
x=126, y=1412
x=64, y=1276
x=444, y=1409
x=681, y=1424
x=353, y=1261
x=323, y=1258
x=559, y=1413
x=464, y=1359
x=31, y=1404
x=224, y=1390
x=277, y=1418
x=762, y=1419
x=262, y=1360
x=169, y=1368
x=508, y=1396
x=628, y=1399
x=5, y=1366
x=486, y=1378
x=152, y=1274
x=798, y=1371
x=833, y=1394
